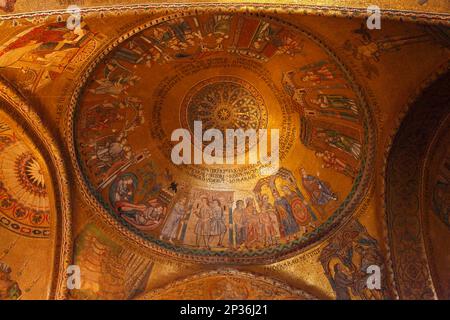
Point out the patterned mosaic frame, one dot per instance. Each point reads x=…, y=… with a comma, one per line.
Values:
x=348, y=207
x=304, y=9
x=421, y=288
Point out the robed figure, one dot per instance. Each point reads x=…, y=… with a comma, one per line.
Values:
x=288, y=225
x=318, y=190
x=172, y=224
x=302, y=212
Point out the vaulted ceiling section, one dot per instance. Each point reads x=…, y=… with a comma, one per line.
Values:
x=89, y=98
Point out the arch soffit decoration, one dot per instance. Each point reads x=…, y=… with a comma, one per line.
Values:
x=350, y=11
x=408, y=289
x=434, y=219
x=36, y=131
x=227, y=273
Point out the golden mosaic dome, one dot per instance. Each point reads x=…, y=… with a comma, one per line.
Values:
x=225, y=72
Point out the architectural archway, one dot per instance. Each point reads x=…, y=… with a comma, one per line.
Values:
x=417, y=195
x=36, y=211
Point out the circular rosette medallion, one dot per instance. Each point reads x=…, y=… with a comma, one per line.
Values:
x=168, y=85
x=225, y=103
x=24, y=201
x=222, y=103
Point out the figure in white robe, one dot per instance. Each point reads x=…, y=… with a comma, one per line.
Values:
x=170, y=229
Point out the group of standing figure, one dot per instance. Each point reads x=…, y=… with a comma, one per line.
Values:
x=210, y=223
x=287, y=215
x=256, y=221
x=253, y=227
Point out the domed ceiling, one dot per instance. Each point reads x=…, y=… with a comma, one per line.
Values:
x=229, y=72
x=94, y=174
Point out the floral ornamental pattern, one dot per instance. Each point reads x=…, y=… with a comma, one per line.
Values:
x=24, y=202
x=30, y=174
